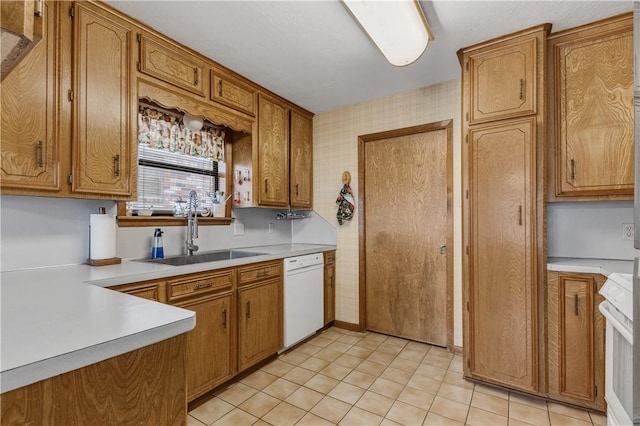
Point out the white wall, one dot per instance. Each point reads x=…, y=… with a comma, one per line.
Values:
x=589, y=230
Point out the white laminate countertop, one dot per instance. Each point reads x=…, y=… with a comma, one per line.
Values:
x=58, y=319
x=590, y=266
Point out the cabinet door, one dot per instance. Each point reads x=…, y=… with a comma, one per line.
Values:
x=301, y=173
x=259, y=322
x=575, y=336
x=329, y=288
x=594, y=114
x=105, y=104
x=172, y=64
x=273, y=153
x=232, y=93
x=209, y=344
x=30, y=146
x=502, y=291
x=503, y=81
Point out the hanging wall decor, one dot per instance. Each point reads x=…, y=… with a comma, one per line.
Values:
x=345, y=200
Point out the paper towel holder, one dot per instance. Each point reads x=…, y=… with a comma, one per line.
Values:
x=103, y=262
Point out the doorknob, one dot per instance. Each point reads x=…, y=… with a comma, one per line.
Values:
x=443, y=249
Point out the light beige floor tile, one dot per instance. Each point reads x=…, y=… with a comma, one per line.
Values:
x=557, y=419
x=192, y=421
x=368, y=343
x=314, y=364
x=436, y=362
x=396, y=375
x=321, y=383
x=349, y=339
x=321, y=341
x=406, y=414
x=281, y=388
x=349, y=361
x=434, y=419
x=424, y=383
x=261, y=423
x=455, y=393
x=277, y=368
x=236, y=417
x=339, y=347
x=568, y=411
x=396, y=341
x=456, y=364
x=528, y=413
x=359, y=379
x=455, y=378
x=490, y=403
x=346, y=392
x=211, y=410
x=359, y=352
x=516, y=422
x=375, y=337
x=359, y=417
x=449, y=409
x=418, y=347
x=299, y=375
x=375, y=403
x=307, y=349
x=284, y=414
x=328, y=355
x=259, y=379
x=331, y=409
x=259, y=404
x=597, y=419
x=359, y=334
x=381, y=357
x=386, y=387
x=237, y=394
x=437, y=351
x=478, y=417
x=313, y=420
x=410, y=355
x=405, y=364
x=294, y=358
x=371, y=368
x=431, y=371
x=332, y=334
x=304, y=398
x=336, y=371
x=491, y=390
x=388, y=422
x=389, y=349
x=416, y=397
x=528, y=400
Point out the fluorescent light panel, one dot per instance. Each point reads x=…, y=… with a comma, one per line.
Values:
x=398, y=27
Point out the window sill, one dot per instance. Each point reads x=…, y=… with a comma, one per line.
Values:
x=139, y=221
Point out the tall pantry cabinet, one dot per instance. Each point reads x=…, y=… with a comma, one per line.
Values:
x=503, y=106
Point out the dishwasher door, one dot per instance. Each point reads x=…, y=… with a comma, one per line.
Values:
x=303, y=302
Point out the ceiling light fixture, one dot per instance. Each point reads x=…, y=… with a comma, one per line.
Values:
x=399, y=28
x=192, y=122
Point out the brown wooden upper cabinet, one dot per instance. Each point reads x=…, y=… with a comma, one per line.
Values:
x=301, y=165
x=104, y=103
x=172, y=64
x=592, y=120
x=22, y=29
x=503, y=81
x=232, y=92
x=273, y=152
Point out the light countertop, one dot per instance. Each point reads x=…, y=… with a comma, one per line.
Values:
x=590, y=266
x=58, y=319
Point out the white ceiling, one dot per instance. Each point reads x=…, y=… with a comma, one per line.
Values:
x=314, y=54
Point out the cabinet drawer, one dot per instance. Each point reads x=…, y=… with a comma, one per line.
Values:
x=197, y=284
x=232, y=93
x=259, y=272
x=146, y=290
x=171, y=64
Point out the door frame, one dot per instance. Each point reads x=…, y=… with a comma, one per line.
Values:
x=362, y=199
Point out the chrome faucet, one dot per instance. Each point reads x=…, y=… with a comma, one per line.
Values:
x=192, y=223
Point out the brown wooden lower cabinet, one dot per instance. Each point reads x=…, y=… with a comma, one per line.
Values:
x=141, y=387
x=329, y=286
x=575, y=339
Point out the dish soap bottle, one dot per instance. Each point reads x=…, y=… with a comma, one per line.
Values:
x=157, y=251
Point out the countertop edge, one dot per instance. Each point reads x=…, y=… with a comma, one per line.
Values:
x=589, y=266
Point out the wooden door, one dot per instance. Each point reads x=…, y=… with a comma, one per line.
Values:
x=407, y=232
x=594, y=114
x=503, y=81
x=105, y=103
x=301, y=173
x=30, y=146
x=502, y=292
x=273, y=153
x=259, y=322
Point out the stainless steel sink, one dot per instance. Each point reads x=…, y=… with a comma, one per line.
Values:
x=212, y=256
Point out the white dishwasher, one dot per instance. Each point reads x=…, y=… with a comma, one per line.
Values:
x=303, y=297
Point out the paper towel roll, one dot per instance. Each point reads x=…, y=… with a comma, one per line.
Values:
x=102, y=238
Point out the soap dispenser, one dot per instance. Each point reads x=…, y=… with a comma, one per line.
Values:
x=157, y=251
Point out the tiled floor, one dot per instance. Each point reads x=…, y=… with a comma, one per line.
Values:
x=347, y=378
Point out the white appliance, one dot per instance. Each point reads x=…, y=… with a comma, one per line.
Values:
x=303, y=297
x=618, y=312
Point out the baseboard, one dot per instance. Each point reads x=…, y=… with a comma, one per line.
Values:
x=457, y=350
x=347, y=326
